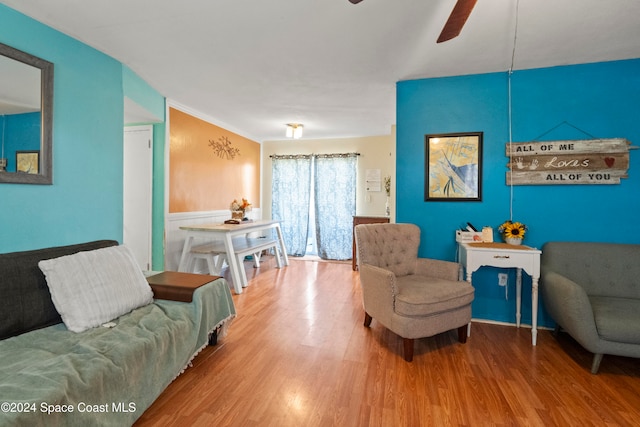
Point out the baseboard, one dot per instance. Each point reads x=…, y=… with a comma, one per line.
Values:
x=522, y=325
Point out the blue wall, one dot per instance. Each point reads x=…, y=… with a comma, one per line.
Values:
x=547, y=104
x=85, y=200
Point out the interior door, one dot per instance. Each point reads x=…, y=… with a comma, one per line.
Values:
x=138, y=178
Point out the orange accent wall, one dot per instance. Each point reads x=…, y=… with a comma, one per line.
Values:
x=201, y=179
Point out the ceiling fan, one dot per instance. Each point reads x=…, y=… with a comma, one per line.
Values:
x=456, y=21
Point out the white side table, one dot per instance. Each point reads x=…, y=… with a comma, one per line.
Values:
x=475, y=255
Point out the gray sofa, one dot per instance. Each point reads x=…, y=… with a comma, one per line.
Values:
x=102, y=376
x=592, y=291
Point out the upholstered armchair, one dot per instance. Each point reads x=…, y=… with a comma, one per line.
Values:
x=412, y=297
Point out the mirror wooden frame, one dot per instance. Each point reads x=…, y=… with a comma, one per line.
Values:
x=45, y=174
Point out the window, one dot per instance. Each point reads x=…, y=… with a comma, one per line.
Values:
x=330, y=182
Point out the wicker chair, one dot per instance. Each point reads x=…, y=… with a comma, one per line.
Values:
x=412, y=297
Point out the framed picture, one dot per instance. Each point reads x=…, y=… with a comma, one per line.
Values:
x=453, y=167
x=28, y=161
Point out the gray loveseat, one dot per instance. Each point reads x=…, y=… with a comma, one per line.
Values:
x=592, y=291
x=50, y=375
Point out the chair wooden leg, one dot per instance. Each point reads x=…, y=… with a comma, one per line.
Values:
x=408, y=349
x=367, y=319
x=462, y=334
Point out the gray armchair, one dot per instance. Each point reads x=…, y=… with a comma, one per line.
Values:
x=592, y=291
x=412, y=297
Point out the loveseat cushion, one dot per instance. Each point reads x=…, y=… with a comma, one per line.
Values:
x=25, y=301
x=93, y=287
x=617, y=319
x=442, y=295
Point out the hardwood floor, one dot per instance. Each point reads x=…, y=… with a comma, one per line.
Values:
x=299, y=355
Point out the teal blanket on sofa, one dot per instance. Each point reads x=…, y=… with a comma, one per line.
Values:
x=106, y=376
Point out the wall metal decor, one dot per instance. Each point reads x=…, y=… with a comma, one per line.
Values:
x=223, y=148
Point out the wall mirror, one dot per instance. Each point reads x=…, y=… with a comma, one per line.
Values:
x=26, y=117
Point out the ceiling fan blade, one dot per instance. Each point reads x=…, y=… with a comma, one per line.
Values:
x=355, y=1
x=457, y=19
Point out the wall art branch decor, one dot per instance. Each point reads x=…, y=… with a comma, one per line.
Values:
x=223, y=149
x=453, y=167
x=592, y=161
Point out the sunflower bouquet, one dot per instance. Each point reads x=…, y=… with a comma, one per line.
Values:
x=512, y=230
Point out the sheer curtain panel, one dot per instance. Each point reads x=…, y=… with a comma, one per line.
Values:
x=290, y=189
x=335, y=204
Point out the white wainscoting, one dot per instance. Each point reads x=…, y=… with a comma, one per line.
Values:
x=175, y=237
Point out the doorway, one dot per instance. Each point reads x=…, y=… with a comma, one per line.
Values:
x=137, y=192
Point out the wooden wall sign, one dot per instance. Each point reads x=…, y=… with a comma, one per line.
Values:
x=593, y=161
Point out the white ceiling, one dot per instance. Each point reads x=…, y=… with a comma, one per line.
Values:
x=254, y=65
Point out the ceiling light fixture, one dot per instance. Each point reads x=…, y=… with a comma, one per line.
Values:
x=294, y=130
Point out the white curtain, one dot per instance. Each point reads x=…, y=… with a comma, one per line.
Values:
x=335, y=205
x=291, y=181
x=334, y=187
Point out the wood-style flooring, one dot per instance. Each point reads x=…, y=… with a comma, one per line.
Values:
x=298, y=355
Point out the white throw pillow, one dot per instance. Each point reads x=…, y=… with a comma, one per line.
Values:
x=93, y=287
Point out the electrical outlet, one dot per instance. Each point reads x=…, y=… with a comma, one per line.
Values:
x=502, y=279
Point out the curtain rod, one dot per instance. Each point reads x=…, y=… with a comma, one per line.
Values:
x=305, y=156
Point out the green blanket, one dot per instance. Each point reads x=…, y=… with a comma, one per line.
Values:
x=106, y=376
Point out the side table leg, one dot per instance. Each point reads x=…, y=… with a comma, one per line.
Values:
x=518, y=296
x=534, y=310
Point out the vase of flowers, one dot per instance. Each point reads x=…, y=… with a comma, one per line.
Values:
x=239, y=209
x=512, y=232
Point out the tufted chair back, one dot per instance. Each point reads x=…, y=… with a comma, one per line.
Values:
x=393, y=247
